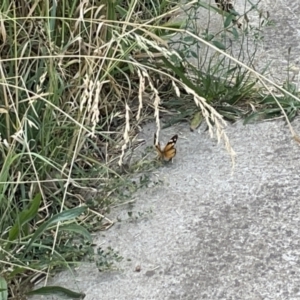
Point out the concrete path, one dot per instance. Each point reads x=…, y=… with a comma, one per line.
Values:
x=213, y=234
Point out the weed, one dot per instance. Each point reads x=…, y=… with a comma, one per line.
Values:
x=107, y=258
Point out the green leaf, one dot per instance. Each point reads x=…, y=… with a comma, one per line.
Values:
x=120, y=10
x=231, y=70
x=77, y=229
x=253, y=117
x=61, y=217
x=196, y=121
x=24, y=217
x=209, y=7
x=176, y=25
x=189, y=38
x=228, y=20
x=291, y=116
x=58, y=291
x=233, y=12
x=3, y=289
x=272, y=111
x=235, y=33
x=219, y=45
x=262, y=115
x=209, y=37
x=194, y=54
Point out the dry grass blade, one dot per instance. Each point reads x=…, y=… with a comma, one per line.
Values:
x=126, y=133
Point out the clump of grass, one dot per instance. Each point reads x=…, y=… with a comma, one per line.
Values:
x=69, y=85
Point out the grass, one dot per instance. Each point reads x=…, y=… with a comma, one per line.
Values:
x=76, y=81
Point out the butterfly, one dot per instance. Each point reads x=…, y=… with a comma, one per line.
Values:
x=169, y=151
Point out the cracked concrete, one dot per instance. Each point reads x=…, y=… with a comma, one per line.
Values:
x=213, y=233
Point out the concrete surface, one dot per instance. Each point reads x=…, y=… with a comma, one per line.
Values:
x=213, y=234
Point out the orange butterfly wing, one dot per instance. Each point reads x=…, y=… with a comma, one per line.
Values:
x=169, y=151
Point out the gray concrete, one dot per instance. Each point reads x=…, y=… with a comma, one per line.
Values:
x=212, y=234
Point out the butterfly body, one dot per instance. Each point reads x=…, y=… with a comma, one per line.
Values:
x=169, y=151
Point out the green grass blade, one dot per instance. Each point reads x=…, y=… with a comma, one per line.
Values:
x=3, y=289
x=181, y=75
x=61, y=217
x=58, y=291
x=77, y=229
x=25, y=216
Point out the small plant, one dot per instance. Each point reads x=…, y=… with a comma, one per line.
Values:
x=106, y=259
